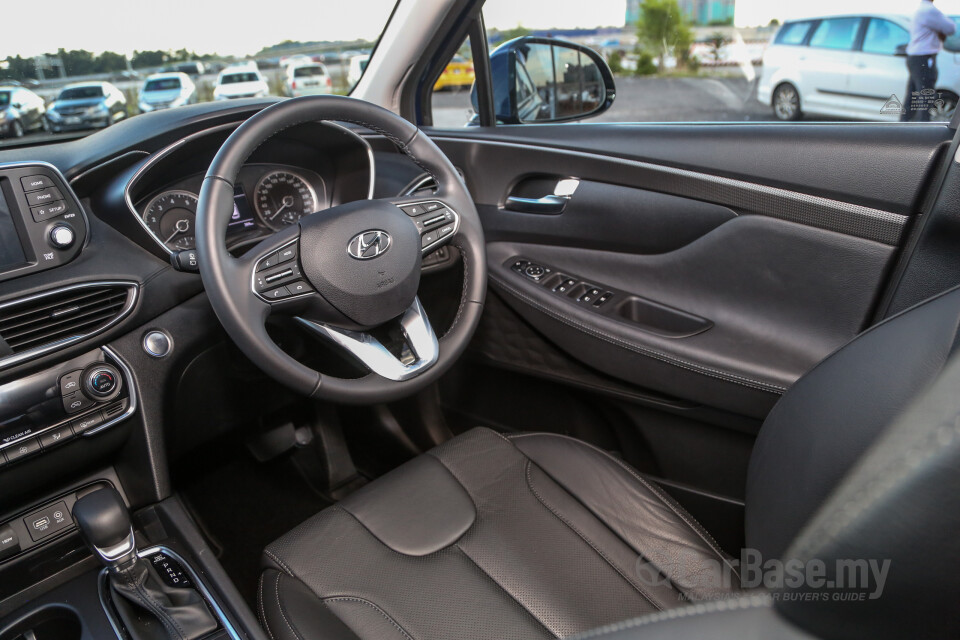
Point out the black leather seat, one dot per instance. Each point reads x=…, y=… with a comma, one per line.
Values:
x=541, y=536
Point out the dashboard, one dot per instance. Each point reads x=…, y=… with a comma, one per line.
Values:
x=267, y=198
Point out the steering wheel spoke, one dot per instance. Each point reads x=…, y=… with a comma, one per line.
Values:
x=436, y=221
x=420, y=349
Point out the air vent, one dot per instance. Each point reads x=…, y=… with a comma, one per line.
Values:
x=47, y=321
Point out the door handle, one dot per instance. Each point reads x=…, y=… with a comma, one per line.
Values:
x=547, y=205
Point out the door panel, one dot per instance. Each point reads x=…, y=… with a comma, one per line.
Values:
x=726, y=287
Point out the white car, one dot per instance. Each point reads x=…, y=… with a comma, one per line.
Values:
x=358, y=65
x=243, y=81
x=850, y=66
x=307, y=80
x=166, y=90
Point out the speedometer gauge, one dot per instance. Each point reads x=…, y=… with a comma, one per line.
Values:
x=283, y=197
x=171, y=216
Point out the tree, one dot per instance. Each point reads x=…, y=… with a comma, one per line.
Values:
x=663, y=29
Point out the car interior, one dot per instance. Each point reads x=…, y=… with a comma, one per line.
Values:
x=313, y=368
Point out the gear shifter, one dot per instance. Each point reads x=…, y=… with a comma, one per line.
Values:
x=150, y=609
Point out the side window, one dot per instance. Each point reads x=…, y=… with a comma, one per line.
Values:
x=836, y=33
x=884, y=37
x=450, y=101
x=793, y=33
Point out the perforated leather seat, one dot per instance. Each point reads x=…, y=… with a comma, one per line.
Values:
x=541, y=536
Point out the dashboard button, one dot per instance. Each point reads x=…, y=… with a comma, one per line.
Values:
x=22, y=449
x=70, y=382
x=47, y=211
x=87, y=422
x=76, y=402
x=32, y=183
x=62, y=237
x=100, y=382
x=9, y=542
x=46, y=196
x=56, y=436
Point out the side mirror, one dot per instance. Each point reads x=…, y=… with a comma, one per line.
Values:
x=901, y=50
x=538, y=80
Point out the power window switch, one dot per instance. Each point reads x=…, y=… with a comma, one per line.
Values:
x=590, y=295
x=519, y=266
x=602, y=300
x=565, y=285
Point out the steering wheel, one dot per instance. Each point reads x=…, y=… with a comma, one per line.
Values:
x=345, y=271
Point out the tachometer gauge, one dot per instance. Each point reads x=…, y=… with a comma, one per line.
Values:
x=283, y=197
x=171, y=216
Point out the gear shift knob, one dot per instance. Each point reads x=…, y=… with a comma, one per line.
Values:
x=104, y=523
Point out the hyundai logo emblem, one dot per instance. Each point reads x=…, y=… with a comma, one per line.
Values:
x=369, y=244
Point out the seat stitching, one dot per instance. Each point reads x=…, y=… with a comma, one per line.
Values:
x=703, y=608
x=383, y=613
x=647, y=351
x=263, y=610
x=689, y=520
x=593, y=546
x=276, y=559
x=283, y=613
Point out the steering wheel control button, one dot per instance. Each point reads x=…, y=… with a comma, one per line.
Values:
x=428, y=239
x=47, y=211
x=157, y=344
x=62, y=237
x=87, y=422
x=76, y=402
x=269, y=262
x=444, y=231
x=56, y=436
x=70, y=382
x=298, y=287
x=414, y=210
x=278, y=293
x=101, y=382
x=286, y=254
x=22, y=448
x=33, y=183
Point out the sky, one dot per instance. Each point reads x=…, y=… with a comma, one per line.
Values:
x=242, y=27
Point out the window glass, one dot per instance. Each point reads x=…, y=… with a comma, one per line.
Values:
x=838, y=33
x=133, y=47
x=884, y=37
x=793, y=33
x=450, y=101
x=79, y=93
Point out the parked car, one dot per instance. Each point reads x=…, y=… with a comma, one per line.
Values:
x=165, y=90
x=307, y=80
x=192, y=69
x=458, y=74
x=86, y=105
x=241, y=81
x=358, y=64
x=21, y=111
x=850, y=66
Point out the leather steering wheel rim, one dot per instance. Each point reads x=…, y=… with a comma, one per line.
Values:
x=227, y=280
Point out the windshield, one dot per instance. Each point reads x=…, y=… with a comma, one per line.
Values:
x=80, y=93
x=100, y=41
x=233, y=78
x=162, y=84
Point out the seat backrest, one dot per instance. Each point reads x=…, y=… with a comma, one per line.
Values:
x=829, y=418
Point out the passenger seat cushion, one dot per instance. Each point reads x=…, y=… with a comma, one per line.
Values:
x=489, y=537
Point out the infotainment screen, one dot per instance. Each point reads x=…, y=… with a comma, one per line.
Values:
x=11, y=251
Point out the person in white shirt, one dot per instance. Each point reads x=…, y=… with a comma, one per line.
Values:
x=928, y=29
